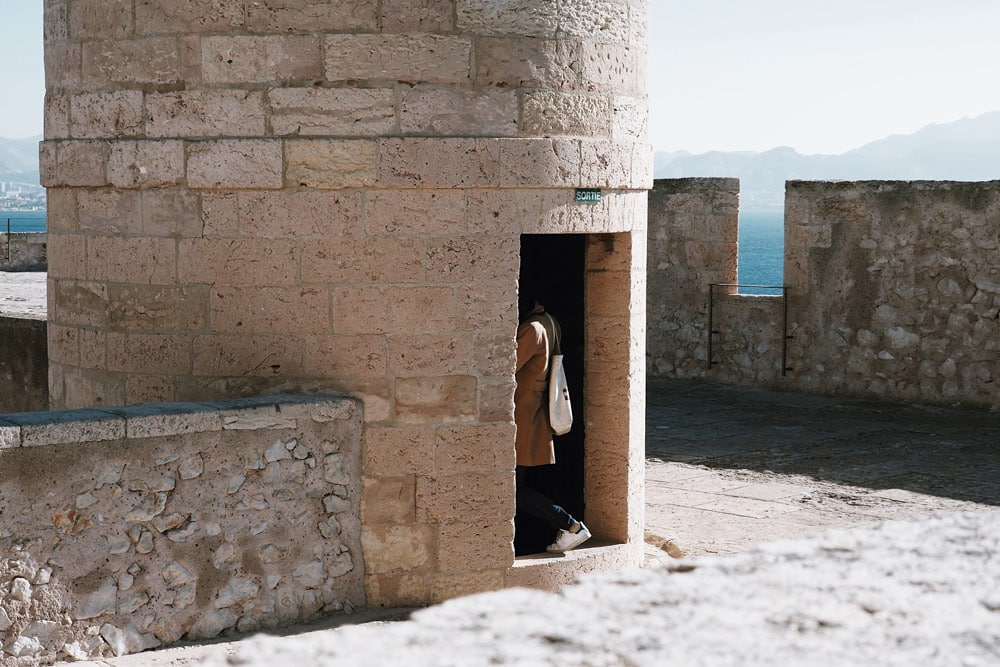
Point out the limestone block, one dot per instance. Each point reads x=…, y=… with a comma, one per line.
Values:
x=149, y=353
x=10, y=437
x=186, y=16
x=205, y=113
x=414, y=58
x=419, y=212
x=366, y=260
x=157, y=308
x=509, y=17
x=472, y=448
x=462, y=113
x=629, y=118
x=171, y=212
x=398, y=451
x=61, y=210
x=152, y=61
x=73, y=163
x=474, y=546
x=548, y=113
x=330, y=164
x=422, y=400
x=62, y=65
x=613, y=68
x=146, y=164
x=608, y=164
x=132, y=260
x=463, y=259
x=456, y=498
x=332, y=111
x=382, y=310
x=235, y=163
x=56, y=21
x=154, y=421
x=237, y=261
x=109, y=211
x=48, y=428
x=106, y=115
x=428, y=355
x=79, y=303
x=219, y=214
x=99, y=19
x=552, y=162
x=253, y=355
x=93, y=349
x=67, y=255
x=390, y=549
x=285, y=310
x=407, y=16
x=437, y=163
x=311, y=15
x=493, y=354
x=252, y=59
x=523, y=62
x=358, y=356
x=306, y=213
x=63, y=345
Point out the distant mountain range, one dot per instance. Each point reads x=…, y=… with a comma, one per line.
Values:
x=19, y=159
x=965, y=150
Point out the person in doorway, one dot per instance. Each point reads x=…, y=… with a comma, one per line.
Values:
x=533, y=442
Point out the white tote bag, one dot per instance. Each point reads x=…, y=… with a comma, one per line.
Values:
x=560, y=407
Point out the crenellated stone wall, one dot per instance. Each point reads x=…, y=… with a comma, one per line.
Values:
x=328, y=198
x=892, y=291
x=125, y=528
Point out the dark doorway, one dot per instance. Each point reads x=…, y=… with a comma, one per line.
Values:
x=552, y=270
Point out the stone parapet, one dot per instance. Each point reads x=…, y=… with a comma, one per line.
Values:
x=127, y=528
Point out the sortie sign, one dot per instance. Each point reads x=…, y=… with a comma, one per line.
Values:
x=588, y=196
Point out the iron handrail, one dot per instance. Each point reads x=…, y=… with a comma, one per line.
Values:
x=712, y=331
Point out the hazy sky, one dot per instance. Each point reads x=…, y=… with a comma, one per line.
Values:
x=821, y=76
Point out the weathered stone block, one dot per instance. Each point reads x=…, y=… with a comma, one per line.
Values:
x=171, y=212
x=330, y=164
x=109, y=211
x=521, y=62
x=149, y=353
x=453, y=498
x=462, y=113
x=78, y=303
x=157, y=308
x=472, y=546
x=357, y=356
x=186, y=16
x=375, y=260
x=418, y=212
x=99, y=19
x=404, y=548
x=388, y=500
x=423, y=400
x=134, y=164
x=272, y=310
x=237, y=262
x=384, y=310
x=153, y=61
x=278, y=16
x=235, y=163
x=251, y=59
x=474, y=448
x=333, y=111
x=73, y=163
x=548, y=113
x=106, y=115
x=205, y=113
x=256, y=355
x=132, y=260
x=416, y=58
x=436, y=163
x=399, y=451
x=513, y=17
x=67, y=255
x=407, y=16
x=80, y=426
x=305, y=213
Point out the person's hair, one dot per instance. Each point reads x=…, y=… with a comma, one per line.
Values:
x=525, y=304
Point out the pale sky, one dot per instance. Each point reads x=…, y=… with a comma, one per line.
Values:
x=821, y=76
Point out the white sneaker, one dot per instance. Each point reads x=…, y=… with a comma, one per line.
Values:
x=565, y=540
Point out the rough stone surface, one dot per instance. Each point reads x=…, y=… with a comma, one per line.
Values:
x=896, y=594
x=159, y=542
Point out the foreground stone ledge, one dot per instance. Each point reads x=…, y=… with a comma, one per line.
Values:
x=918, y=593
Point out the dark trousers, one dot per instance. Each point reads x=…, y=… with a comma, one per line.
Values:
x=534, y=503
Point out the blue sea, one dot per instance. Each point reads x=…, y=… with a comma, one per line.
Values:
x=761, y=251
x=22, y=221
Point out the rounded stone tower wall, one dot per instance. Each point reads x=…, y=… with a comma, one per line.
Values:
x=319, y=197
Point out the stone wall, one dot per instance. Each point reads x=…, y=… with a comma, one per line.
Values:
x=892, y=291
x=23, y=251
x=125, y=528
x=24, y=366
x=328, y=198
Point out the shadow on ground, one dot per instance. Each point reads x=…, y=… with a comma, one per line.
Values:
x=947, y=452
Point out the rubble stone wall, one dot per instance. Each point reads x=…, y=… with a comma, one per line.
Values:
x=892, y=290
x=23, y=251
x=24, y=368
x=125, y=528
x=319, y=197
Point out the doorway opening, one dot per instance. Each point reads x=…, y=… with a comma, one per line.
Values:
x=552, y=270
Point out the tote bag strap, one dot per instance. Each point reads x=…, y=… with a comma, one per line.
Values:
x=554, y=333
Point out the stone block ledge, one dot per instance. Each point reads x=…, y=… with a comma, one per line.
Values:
x=551, y=572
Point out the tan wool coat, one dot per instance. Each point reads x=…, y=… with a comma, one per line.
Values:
x=533, y=441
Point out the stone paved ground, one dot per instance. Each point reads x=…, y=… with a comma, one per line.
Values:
x=22, y=295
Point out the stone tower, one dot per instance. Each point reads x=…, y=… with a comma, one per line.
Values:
x=250, y=196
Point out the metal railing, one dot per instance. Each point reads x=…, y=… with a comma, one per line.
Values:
x=712, y=331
